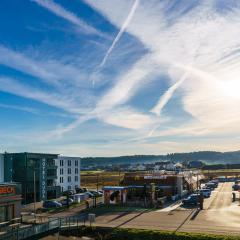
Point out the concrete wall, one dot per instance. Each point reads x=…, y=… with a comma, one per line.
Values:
x=1, y=168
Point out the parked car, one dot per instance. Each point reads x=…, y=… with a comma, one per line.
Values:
x=215, y=183
x=95, y=193
x=209, y=185
x=90, y=195
x=191, y=200
x=64, y=201
x=68, y=192
x=205, y=192
x=236, y=187
x=51, y=204
x=81, y=190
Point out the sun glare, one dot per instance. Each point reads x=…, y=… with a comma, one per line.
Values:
x=231, y=88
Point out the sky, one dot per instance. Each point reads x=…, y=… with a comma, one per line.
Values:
x=119, y=77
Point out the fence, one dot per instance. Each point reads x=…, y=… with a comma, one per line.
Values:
x=53, y=225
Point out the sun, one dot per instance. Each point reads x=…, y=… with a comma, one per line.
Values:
x=230, y=88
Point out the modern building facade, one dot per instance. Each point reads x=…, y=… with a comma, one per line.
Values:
x=68, y=172
x=10, y=201
x=1, y=168
x=29, y=168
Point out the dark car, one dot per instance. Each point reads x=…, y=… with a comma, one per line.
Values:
x=236, y=187
x=51, y=204
x=215, y=183
x=205, y=192
x=210, y=185
x=96, y=193
x=65, y=203
x=191, y=200
x=68, y=193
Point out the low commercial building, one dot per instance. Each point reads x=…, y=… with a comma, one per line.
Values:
x=10, y=201
x=33, y=168
x=168, y=184
x=151, y=189
x=68, y=172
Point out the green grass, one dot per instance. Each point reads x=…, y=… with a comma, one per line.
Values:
x=140, y=234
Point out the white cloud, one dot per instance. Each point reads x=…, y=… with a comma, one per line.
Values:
x=193, y=41
x=120, y=33
x=12, y=86
x=47, y=69
x=67, y=15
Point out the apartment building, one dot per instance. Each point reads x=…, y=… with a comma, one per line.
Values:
x=68, y=172
x=29, y=168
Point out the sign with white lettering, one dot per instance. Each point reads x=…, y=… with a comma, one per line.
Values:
x=43, y=179
x=155, y=177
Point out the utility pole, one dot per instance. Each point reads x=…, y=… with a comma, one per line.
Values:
x=97, y=181
x=119, y=176
x=34, y=192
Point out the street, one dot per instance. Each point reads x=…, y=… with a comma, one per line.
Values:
x=220, y=215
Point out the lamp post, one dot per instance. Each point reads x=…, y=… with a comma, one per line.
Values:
x=34, y=192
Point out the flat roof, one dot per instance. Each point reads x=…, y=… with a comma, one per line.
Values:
x=115, y=187
x=9, y=183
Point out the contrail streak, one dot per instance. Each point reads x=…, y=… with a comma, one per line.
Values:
x=167, y=96
x=120, y=33
x=157, y=109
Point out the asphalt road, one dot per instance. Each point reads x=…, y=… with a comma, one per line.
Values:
x=220, y=215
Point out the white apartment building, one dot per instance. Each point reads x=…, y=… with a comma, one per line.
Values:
x=1, y=168
x=68, y=172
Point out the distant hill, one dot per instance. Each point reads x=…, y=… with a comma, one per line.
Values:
x=209, y=157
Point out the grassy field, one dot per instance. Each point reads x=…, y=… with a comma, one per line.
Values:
x=98, y=179
x=222, y=170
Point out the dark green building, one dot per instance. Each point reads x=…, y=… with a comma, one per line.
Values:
x=22, y=167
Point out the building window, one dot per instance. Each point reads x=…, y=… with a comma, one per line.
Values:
x=69, y=163
x=76, y=186
x=61, y=179
x=69, y=187
x=69, y=170
x=76, y=178
x=69, y=179
x=76, y=170
x=76, y=163
x=61, y=163
x=61, y=171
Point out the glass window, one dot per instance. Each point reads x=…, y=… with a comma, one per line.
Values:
x=76, y=170
x=61, y=163
x=3, y=216
x=76, y=163
x=69, y=163
x=69, y=170
x=76, y=178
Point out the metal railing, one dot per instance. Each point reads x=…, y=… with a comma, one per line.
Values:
x=53, y=225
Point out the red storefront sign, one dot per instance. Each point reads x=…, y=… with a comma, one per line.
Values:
x=6, y=190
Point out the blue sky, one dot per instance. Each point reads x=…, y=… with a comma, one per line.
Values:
x=119, y=77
